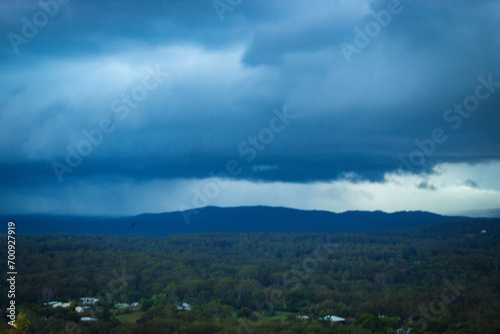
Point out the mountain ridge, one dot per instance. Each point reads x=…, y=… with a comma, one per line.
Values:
x=241, y=219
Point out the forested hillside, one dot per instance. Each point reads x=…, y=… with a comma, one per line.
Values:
x=435, y=279
x=249, y=219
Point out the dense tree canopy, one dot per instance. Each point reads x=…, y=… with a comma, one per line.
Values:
x=438, y=279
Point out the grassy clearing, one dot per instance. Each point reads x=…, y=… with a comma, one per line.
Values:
x=279, y=316
x=129, y=318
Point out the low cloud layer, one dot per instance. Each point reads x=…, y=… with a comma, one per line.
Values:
x=134, y=103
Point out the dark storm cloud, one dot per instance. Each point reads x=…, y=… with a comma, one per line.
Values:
x=79, y=28
x=226, y=77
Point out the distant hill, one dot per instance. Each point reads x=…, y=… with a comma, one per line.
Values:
x=488, y=213
x=232, y=220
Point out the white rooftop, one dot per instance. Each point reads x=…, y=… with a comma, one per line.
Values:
x=333, y=318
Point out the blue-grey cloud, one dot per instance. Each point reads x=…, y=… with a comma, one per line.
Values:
x=388, y=107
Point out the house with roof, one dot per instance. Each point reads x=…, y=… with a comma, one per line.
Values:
x=332, y=319
x=89, y=300
x=184, y=307
x=121, y=306
x=58, y=304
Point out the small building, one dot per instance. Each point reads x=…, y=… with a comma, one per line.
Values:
x=403, y=331
x=51, y=303
x=121, y=306
x=87, y=319
x=184, y=307
x=136, y=304
x=302, y=318
x=333, y=319
x=58, y=304
x=89, y=300
x=82, y=309
x=483, y=232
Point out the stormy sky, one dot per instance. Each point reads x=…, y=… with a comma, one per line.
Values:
x=125, y=107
